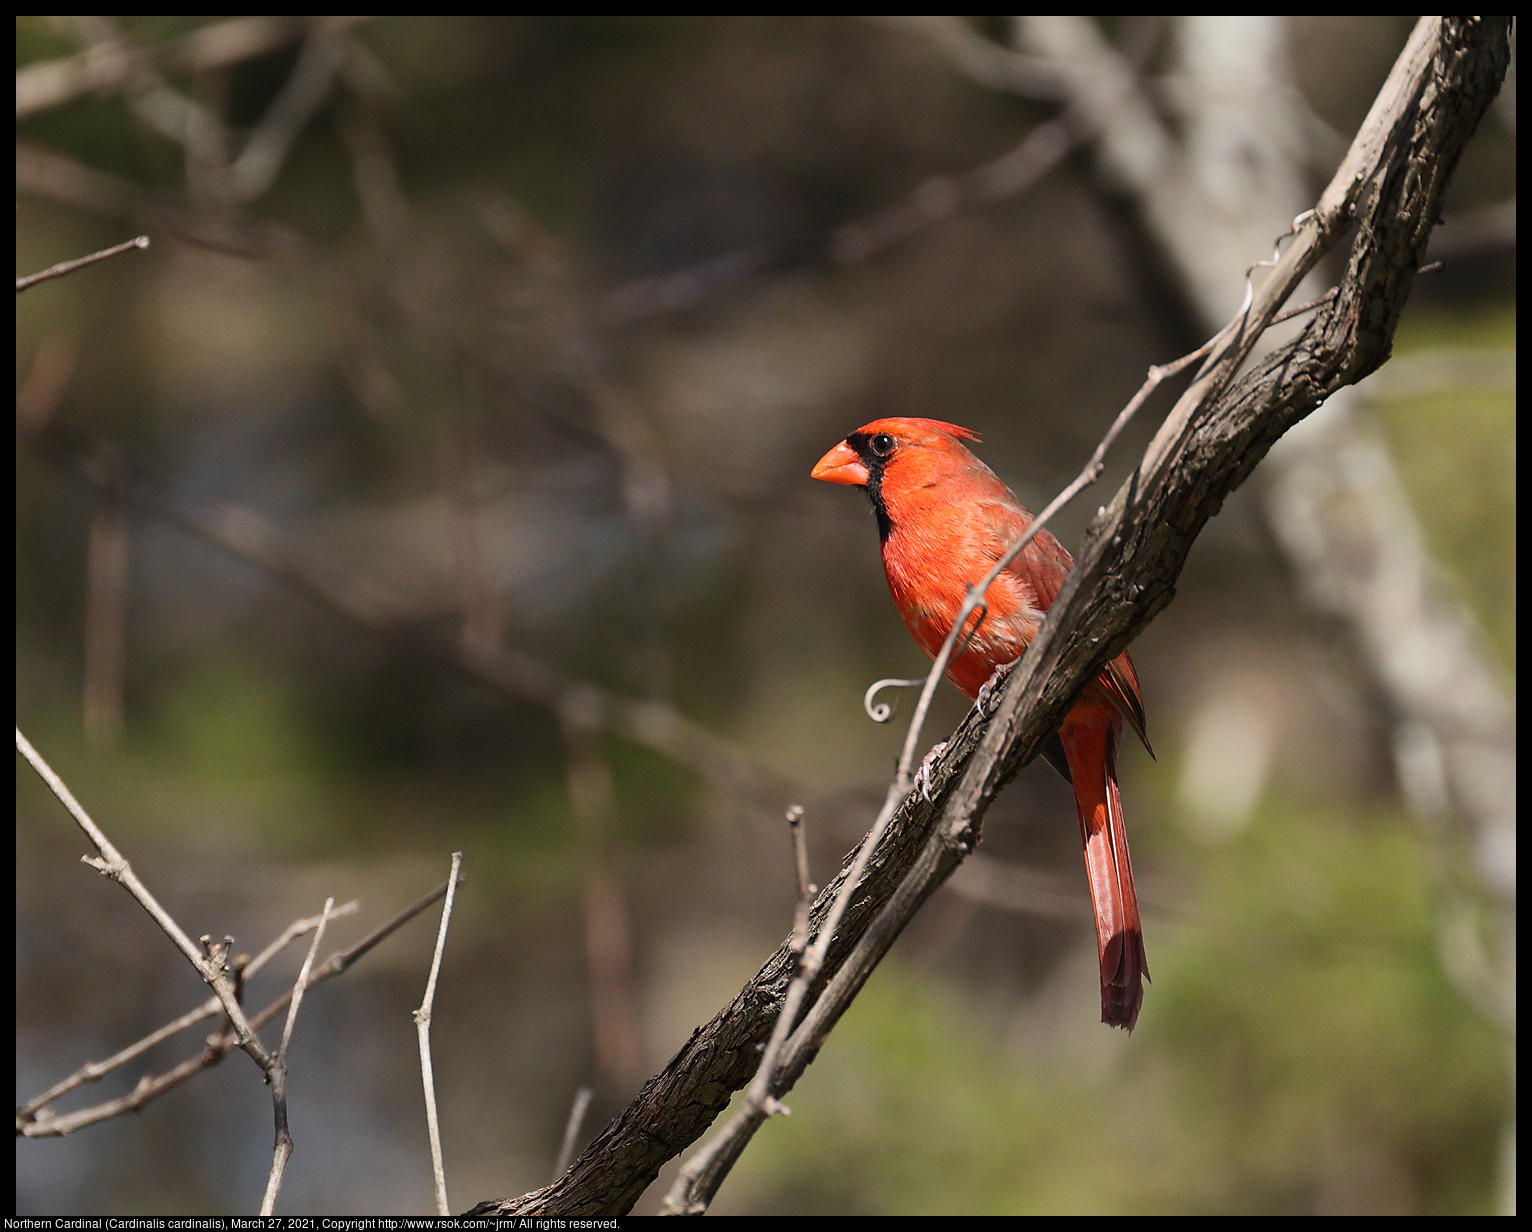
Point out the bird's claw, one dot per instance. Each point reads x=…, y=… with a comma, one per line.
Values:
x=923, y=772
x=992, y=686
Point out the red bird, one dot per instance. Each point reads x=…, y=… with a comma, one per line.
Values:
x=945, y=519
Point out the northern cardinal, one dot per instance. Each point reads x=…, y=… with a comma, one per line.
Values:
x=945, y=519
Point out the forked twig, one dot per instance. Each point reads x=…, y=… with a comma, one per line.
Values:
x=111, y=863
x=93, y=1071
x=283, y=1149
x=42, y=1124
x=423, y=1030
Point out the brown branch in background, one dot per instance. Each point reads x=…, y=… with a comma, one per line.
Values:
x=45, y=383
x=106, y=578
x=483, y=624
x=851, y=243
x=932, y=202
x=986, y=61
x=245, y=535
x=212, y=177
x=36, y=1121
x=265, y=152
x=69, y=267
x=604, y=905
x=1022, y=889
x=374, y=172
x=107, y=65
x=57, y=177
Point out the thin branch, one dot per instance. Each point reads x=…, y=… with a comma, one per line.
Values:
x=69, y=267
x=697, y=1182
x=150, y=1087
x=50, y=83
x=572, y=1129
x=112, y=864
x=283, y=1149
x=986, y=61
x=603, y=902
x=423, y=1030
x=94, y=1071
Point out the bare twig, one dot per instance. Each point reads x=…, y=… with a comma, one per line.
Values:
x=112, y=864
x=699, y=1178
x=150, y=1087
x=283, y=1149
x=95, y=1070
x=423, y=1030
x=806, y=888
x=572, y=1129
x=69, y=267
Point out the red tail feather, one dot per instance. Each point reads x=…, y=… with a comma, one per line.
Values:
x=1090, y=746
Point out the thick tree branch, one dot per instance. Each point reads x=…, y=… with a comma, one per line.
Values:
x=1391, y=185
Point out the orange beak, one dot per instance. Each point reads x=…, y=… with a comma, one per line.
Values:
x=841, y=465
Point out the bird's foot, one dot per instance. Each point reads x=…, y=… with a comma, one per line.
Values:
x=992, y=686
x=923, y=772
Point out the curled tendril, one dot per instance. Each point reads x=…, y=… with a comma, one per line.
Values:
x=1276, y=256
x=882, y=712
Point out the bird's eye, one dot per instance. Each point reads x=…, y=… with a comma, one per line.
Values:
x=882, y=444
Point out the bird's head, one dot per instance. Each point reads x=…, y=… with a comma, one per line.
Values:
x=865, y=457
x=905, y=464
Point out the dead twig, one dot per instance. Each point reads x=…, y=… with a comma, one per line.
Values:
x=94, y=1071
x=42, y=1124
x=283, y=1150
x=700, y=1176
x=572, y=1129
x=69, y=267
x=423, y=1030
x=111, y=863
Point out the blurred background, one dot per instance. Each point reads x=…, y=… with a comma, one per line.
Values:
x=438, y=480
